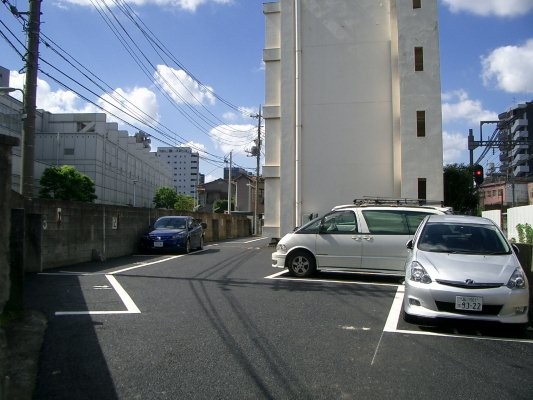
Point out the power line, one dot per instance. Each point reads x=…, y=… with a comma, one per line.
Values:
x=134, y=112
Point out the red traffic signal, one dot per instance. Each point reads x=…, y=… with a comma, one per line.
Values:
x=478, y=174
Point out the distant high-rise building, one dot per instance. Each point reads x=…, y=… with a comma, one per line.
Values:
x=514, y=127
x=184, y=164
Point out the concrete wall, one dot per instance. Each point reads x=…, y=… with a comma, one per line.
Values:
x=60, y=233
x=6, y=143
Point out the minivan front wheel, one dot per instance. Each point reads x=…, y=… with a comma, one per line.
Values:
x=301, y=264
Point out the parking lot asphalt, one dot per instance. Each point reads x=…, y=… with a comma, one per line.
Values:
x=25, y=334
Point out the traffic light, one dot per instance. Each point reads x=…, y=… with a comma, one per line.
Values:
x=478, y=174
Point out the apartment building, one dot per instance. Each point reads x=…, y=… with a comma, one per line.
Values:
x=184, y=164
x=352, y=105
x=516, y=146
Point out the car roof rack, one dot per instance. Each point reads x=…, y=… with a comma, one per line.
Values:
x=389, y=201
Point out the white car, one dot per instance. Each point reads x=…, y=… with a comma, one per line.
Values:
x=463, y=267
x=356, y=237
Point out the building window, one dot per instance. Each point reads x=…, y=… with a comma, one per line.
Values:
x=420, y=123
x=68, y=152
x=422, y=195
x=417, y=3
x=419, y=58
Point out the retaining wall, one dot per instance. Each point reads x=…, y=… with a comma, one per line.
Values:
x=60, y=233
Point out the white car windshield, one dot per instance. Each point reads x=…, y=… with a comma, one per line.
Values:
x=462, y=238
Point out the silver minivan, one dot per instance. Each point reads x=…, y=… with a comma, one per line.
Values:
x=363, y=238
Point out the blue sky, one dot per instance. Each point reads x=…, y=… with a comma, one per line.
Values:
x=210, y=52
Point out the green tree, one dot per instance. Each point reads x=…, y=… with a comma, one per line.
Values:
x=220, y=206
x=165, y=197
x=184, y=203
x=459, y=190
x=66, y=183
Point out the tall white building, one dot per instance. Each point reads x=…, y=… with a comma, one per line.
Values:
x=184, y=165
x=352, y=105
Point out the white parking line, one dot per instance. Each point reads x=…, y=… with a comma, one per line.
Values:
x=131, y=308
x=394, y=314
x=145, y=264
x=391, y=325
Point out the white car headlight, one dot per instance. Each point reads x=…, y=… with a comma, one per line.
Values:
x=179, y=235
x=281, y=248
x=517, y=280
x=419, y=273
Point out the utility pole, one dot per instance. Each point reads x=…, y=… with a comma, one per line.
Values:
x=258, y=158
x=229, y=182
x=255, y=151
x=30, y=97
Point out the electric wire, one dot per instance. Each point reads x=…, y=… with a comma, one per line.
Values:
x=216, y=159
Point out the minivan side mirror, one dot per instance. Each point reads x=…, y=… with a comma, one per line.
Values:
x=409, y=244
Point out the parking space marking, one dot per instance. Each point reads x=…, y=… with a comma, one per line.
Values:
x=131, y=307
x=391, y=325
x=142, y=265
x=394, y=315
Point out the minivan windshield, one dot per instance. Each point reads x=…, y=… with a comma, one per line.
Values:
x=462, y=238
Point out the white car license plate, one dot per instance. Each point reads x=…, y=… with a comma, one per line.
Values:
x=471, y=303
x=158, y=244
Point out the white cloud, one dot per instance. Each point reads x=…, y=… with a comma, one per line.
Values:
x=197, y=147
x=457, y=106
x=454, y=147
x=509, y=68
x=499, y=8
x=186, y=5
x=181, y=87
x=236, y=138
x=229, y=116
x=211, y=178
x=58, y=101
x=130, y=105
x=119, y=102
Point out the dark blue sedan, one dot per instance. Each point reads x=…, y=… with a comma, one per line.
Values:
x=174, y=233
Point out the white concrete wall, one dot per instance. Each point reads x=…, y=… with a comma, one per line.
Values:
x=518, y=215
x=358, y=100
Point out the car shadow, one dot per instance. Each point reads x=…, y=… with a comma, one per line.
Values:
x=355, y=277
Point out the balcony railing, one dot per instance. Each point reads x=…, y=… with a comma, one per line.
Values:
x=520, y=170
x=521, y=134
x=521, y=159
x=518, y=123
x=519, y=148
